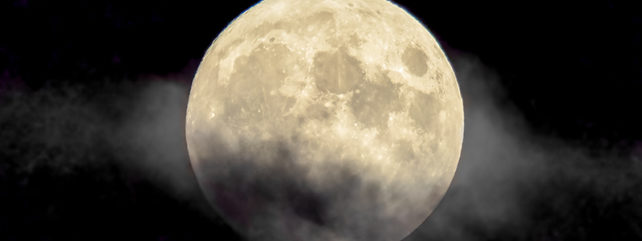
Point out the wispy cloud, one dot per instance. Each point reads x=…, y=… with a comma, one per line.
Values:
x=516, y=184
x=512, y=182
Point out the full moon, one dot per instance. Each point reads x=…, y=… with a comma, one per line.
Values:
x=325, y=120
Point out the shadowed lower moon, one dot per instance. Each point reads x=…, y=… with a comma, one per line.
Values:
x=325, y=120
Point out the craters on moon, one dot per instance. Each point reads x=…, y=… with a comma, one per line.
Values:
x=334, y=73
x=270, y=64
x=337, y=72
x=344, y=85
x=373, y=101
x=424, y=110
x=403, y=151
x=321, y=21
x=415, y=61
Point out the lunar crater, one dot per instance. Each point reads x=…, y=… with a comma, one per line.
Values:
x=269, y=65
x=424, y=110
x=415, y=60
x=337, y=72
x=373, y=102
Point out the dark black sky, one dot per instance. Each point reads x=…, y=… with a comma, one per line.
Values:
x=75, y=75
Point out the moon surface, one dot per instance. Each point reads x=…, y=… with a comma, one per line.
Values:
x=325, y=120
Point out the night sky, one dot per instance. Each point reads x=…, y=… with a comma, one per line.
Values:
x=93, y=97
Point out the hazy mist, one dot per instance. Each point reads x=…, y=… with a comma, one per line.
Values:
x=512, y=182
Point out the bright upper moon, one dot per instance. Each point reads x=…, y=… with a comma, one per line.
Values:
x=325, y=120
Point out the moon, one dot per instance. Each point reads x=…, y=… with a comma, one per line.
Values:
x=325, y=120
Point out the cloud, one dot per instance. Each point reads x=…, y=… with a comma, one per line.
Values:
x=100, y=161
x=513, y=183
x=137, y=126
x=153, y=132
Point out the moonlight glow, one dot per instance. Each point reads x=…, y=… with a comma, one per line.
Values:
x=325, y=120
